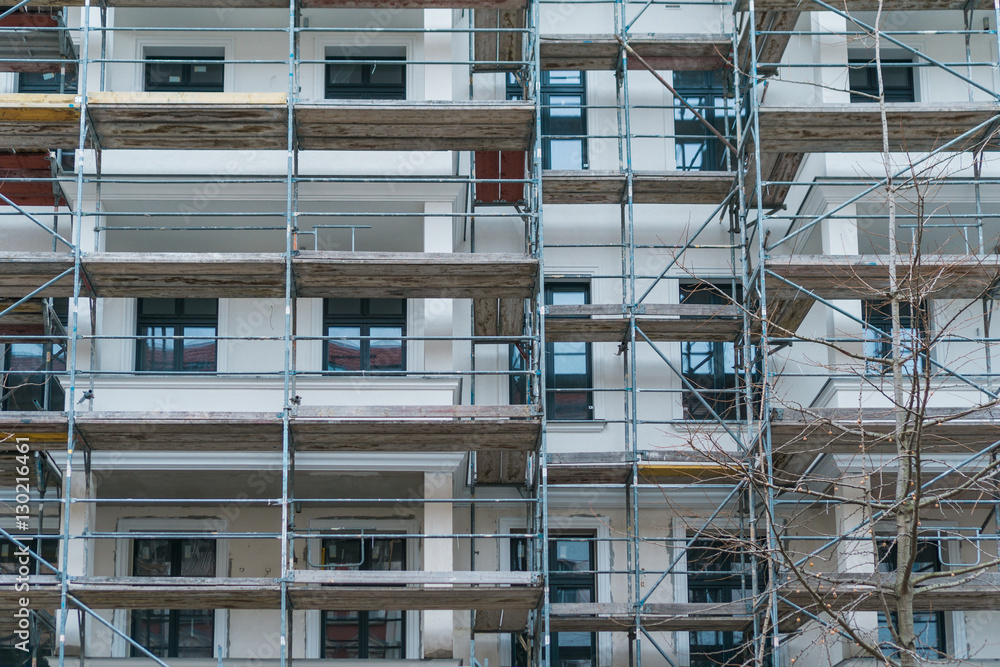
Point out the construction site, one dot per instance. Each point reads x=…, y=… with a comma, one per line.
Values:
x=580, y=333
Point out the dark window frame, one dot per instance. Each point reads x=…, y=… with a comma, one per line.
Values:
x=913, y=327
x=364, y=617
x=928, y=559
x=37, y=83
x=716, y=575
x=25, y=386
x=550, y=90
x=365, y=90
x=173, y=616
x=179, y=321
x=560, y=581
x=723, y=392
x=186, y=84
x=365, y=320
x=703, y=90
x=862, y=79
x=518, y=382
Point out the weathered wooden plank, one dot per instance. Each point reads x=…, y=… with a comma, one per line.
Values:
x=608, y=187
x=656, y=329
x=852, y=6
x=485, y=314
x=839, y=431
x=867, y=276
x=501, y=620
x=669, y=309
x=404, y=125
x=682, y=52
x=619, y=617
x=317, y=274
x=436, y=428
x=415, y=577
x=415, y=275
x=911, y=126
x=498, y=51
x=260, y=593
x=872, y=591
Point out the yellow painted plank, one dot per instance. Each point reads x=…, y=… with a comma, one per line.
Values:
x=38, y=108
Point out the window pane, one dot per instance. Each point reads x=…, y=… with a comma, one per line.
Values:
x=343, y=355
x=386, y=355
x=384, y=306
x=157, y=306
x=385, y=635
x=199, y=353
x=343, y=306
x=151, y=628
x=197, y=558
x=567, y=78
x=195, y=633
x=207, y=307
x=386, y=74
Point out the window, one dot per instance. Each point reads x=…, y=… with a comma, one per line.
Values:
x=572, y=579
x=716, y=575
x=365, y=78
x=897, y=80
x=192, y=321
x=710, y=366
x=368, y=332
x=46, y=82
x=929, y=625
x=28, y=380
x=178, y=70
x=695, y=147
x=564, y=118
x=878, y=336
x=568, y=366
x=174, y=633
x=375, y=635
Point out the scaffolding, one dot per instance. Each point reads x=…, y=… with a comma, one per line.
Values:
x=746, y=456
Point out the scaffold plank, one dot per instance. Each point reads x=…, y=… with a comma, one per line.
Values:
x=258, y=121
x=873, y=591
x=260, y=593
x=414, y=275
x=664, y=52
x=911, y=126
x=317, y=274
x=406, y=125
x=599, y=323
x=851, y=6
x=664, y=617
x=658, y=467
x=608, y=187
x=389, y=428
x=500, y=45
x=867, y=276
x=38, y=122
x=870, y=431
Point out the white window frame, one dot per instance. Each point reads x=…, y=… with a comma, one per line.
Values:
x=600, y=526
x=313, y=632
x=166, y=525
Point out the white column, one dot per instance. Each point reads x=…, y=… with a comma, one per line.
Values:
x=80, y=517
x=439, y=630
x=437, y=47
x=855, y=555
x=840, y=237
x=438, y=314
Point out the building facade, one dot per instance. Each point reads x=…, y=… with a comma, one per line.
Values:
x=570, y=333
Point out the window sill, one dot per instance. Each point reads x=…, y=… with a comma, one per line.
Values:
x=592, y=426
